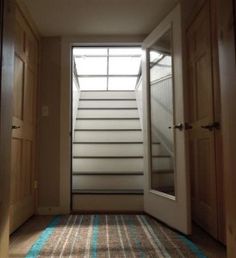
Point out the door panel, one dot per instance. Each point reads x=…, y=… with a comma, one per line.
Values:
x=23, y=121
x=18, y=88
x=202, y=140
x=166, y=183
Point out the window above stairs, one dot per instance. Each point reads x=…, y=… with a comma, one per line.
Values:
x=107, y=68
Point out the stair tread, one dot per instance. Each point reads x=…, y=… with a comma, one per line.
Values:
x=106, y=99
x=107, y=173
x=107, y=142
x=107, y=118
x=109, y=130
x=163, y=171
x=124, y=91
x=107, y=108
x=108, y=191
x=108, y=157
x=161, y=156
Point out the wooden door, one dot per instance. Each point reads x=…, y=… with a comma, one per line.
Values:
x=227, y=60
x=23, y=124
x=201, y=110
x=6, y=74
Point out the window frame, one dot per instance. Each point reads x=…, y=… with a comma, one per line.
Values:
x=108, y=56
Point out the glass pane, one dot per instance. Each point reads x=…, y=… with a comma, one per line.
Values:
x=162, y=116
x=124, y=65
x=84, y=51
x=96, y=83
x=167, y=61
x=91, y=65
x=125, y=51
x=155, y=56
x=122, y=83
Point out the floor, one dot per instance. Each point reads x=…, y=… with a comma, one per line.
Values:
x=25, y=236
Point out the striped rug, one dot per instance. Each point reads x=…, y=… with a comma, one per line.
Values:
x=111, y=236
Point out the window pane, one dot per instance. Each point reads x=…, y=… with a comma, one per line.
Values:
x=124, y=65
x=166, y=61
x=95, y=83
x=125, y=51
x=154, y=56
x=83, y=51
x=91, y=65
x=122, y=83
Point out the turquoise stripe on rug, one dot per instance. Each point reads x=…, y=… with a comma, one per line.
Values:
x=39, y=244
x=134, y=235
x=95, y=236
x=192, y=247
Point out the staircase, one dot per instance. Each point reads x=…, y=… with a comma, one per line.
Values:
x=107, y=152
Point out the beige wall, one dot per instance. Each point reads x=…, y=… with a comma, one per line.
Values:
x=49, y=126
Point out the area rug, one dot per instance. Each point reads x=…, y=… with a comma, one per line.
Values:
x=111, y=236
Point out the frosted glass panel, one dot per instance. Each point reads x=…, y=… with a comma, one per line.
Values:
x=91, y=65
x=118, y=83
x=84, y=51
x=167, y=60
x=107, y=68
x=95, y=83
x=125, y=51
x=124, y=65
x=155, y=56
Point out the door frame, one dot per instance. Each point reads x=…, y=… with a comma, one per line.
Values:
x=67, y=43
x=95, y=45
x=226, y=10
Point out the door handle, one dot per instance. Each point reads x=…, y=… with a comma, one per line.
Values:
x=179, y=126
x=210, y=127
x=15, y=127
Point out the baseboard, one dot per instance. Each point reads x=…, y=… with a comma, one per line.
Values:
x=57, y=210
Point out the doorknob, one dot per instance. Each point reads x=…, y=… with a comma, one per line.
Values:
x=15, y=127
x=179, y=126
x=210, y=127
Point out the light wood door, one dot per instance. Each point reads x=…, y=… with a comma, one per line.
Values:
x=201, y=110
x=23, y=124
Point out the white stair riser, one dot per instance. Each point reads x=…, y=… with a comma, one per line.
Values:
x=107, y=124
x=108, y=149
x=108, y=182
x=108, y=104
x=162, y=163
x=157, y=149
x=106, y=136
x=107, y=113
x=107, y=95
x=107, y=165
x=104, y=203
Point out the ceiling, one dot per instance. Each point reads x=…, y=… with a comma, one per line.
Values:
x=97, y=17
